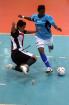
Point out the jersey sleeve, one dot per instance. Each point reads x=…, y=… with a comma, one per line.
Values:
x=51, y=20
x=33, y=17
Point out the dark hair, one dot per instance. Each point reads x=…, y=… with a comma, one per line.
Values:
x=20, y=23
x=41, y=7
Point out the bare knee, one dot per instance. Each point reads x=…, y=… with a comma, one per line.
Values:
x=34, y=58
x=41, y=50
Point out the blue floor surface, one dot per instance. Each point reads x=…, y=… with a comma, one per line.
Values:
x=37, y=88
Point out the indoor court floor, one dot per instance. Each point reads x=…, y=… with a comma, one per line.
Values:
x=36, y=88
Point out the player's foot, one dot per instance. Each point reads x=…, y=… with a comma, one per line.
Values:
x=17, y=68
x=10, y=66
x=49, y=70
x=24, y=68
x=50, y=48
x=13, y=67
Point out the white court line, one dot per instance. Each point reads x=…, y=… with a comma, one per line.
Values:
x=7, y=104
x=59, y=57
x=3, y=84
x=63, y=58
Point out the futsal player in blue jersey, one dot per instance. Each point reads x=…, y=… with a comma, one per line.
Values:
x=43, y=23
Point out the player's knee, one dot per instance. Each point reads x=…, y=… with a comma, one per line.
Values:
x=31, y=61
x=34, y=58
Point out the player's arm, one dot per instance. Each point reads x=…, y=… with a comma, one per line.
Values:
x=57, y=28
x=25, y=17
x=52, y=22
x=29, y=32
x=13, y=28
x=14, y=33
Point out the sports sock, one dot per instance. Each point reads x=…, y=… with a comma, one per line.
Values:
x=45, y=60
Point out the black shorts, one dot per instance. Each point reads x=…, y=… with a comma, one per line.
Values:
x=19, y=57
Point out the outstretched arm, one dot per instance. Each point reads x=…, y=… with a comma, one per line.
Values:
x=57, y=28
x=13, y=28
x=52, y=22
x=30, y=32
x=28, y=18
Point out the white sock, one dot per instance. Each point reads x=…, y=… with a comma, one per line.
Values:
x=24, y=68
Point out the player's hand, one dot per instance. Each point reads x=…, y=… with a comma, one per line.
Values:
x=20, y=16
x=60, y=29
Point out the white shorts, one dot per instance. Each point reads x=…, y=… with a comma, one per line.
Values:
x=41, y=43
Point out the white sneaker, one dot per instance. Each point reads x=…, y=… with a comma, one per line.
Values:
x=10, y=66
x=24, y=68
x=49, y=70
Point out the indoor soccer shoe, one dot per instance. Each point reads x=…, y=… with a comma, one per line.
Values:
x=49, y=70
x=24, y=68
x=10, y=66
x=50, y=48
x=17, y=68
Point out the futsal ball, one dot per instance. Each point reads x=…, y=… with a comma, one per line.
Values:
x=61, y=71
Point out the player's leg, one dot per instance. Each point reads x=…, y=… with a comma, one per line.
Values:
x=50, y=44
x=40, y=45
x=45, y=59
x=31, y=60
x=23, y=60
x=27, y=59
x=15, y=56
x=50, y=48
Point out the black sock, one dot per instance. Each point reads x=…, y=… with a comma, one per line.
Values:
x=17, y=68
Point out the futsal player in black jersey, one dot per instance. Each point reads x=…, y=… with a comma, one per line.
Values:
x=21, y=58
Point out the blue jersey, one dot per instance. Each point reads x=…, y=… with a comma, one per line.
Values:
x=43, y=25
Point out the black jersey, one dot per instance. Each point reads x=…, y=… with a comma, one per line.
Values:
x=17, y=40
